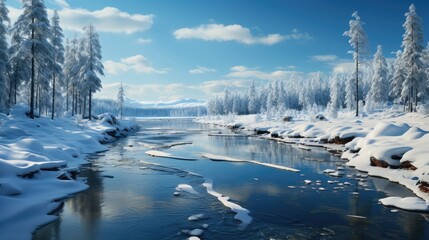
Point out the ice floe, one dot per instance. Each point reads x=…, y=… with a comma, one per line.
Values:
x=242, y=214
x=196, y=217
x=162, y=154
x=230, y=159
x=187, y=188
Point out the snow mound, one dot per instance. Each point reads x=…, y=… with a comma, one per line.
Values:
x=408, y=203
x=388, y=129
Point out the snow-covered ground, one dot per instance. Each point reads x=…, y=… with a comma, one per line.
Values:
x=38, y=161
x=390, y=144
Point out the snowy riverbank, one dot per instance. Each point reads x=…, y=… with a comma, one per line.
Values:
x=390, y=145
x=38, y=161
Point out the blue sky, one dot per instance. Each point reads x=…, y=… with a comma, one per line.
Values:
x=164, y=50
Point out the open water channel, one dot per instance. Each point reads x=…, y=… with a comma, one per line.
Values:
x=131, y=194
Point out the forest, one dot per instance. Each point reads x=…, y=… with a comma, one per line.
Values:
x=37, y=69
x=373, y=84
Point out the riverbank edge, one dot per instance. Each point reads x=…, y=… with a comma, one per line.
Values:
x=28, y=208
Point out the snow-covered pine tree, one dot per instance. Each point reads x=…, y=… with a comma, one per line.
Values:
x=19, y=73
x=398, y=77
x=92, y=64
x=4, y=57
x=34, y=28
x=227, y=101
x=414, y=87
x=66, y=71
x=253, y=106
x=271, y=99
x=335, y=103
x=72, y=65
x=120, y=101
x=378, y=94
x=426, y=60
x=57, y=70
x=358, y=40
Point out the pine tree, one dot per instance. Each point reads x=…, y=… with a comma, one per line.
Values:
x=253, y=106
x=378, y=94
x=4, y=57
x=227, y=101
x=19, y=73
x=58, y=49
x=398, y=77
x=92, y=65
x=358, y=40
x=415, y=85
x=34, y=28
x=335, y=103
x=121, y=100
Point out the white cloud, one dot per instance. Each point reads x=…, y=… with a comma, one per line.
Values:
x=297, y=35
x=218, y=86
x=343, y=67
x=108, y=19
x=62, y=3
x=221, y=33
x=137, y=63
x=201, y=70
x=324, y=58
x=244, y=72
x=144, y=41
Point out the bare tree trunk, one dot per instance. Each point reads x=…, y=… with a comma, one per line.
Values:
x=72, y=100
x=10, y=92
x=33, y=73
x=40, y=100
x=357, y=79
x=53, y=96
x=75, y=100
x=84, y=105
x=89, y=107
x=67, y=94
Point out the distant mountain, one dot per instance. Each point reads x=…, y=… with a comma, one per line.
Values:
x=178, y=103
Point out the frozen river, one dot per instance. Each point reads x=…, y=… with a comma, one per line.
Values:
x=131, y=194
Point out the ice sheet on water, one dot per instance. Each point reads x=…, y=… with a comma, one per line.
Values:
x=215, y=157
x=162, y=168
x=187, y=188
x=155, y=153
x=196, y=217
x=242, y=214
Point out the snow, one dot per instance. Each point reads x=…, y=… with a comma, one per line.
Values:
x=30, y=146
x=230, y=159
x=162, y=154
x=407, y=203
x=242, y=214
x=196, y=232
x=193, y=238
x=196, y=217
x=187, y=188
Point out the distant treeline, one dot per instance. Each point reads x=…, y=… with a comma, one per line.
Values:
x=104, y=105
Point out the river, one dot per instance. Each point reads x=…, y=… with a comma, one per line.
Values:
x=131, y=199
